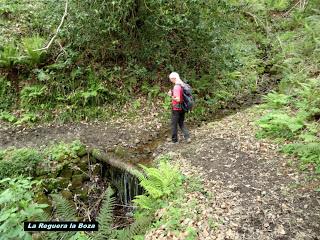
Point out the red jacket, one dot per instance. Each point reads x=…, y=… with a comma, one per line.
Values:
x=177, y=92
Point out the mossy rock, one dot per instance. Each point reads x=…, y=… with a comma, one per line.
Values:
x=74, y=160
x=78, y=181
x=96, y=169
x=67, y=194
x=121, y=152
x=82, y=152
x=62, y=182
x=83, y=193
x=66, y=172
x=83, y=164
x=51, y=185
x=41, y=198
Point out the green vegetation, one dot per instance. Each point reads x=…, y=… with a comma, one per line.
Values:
x=20, y=196
x=165, y=198
x=14, y=162
x=160, y=183
x=26, y=161
x=18, y=205
x=294, y=110
x=107, y=54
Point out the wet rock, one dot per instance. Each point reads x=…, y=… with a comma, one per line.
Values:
x=82, y=193
x=62, y=182
x=67, y=194
x=66, y=172
x=96, y=169
x=78, y=180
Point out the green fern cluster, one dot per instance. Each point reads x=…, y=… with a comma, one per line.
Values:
x=276, y=100
x=308, y=153
x=11, y=54
x=65, y=211
x=278, y=124
x=295, y=108
x=159, y=183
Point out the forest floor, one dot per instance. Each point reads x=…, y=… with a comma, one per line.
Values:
x=251, y=191
x=258, y=193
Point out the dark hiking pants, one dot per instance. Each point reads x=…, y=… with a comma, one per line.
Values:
x=178, y=119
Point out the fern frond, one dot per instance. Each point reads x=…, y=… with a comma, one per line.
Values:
x=105, y=216
x=81, y=236
x=144, y=202
x=46, y=235
x=138, y=227
x=64, y=209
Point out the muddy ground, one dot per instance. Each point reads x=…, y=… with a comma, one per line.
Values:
x=127, y=137
x=257, y=193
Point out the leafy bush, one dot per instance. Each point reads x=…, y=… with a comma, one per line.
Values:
x=62, y=151
x=14, y=162
x=6, y=116
x=9, y=55
x=32, y=96
x=276, y=100
x=279, y=125
x=17, y=206
x=30, y=45
x=6, y=94
x=27, y=118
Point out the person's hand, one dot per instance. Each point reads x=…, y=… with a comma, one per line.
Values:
x=170, y=92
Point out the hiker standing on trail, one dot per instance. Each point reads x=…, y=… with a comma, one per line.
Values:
x=177, y=111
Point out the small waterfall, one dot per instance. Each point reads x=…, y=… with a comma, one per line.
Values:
x=126, y=184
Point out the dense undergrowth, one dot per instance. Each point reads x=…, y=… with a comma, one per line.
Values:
x=109, y=54
x=23, y=184
x=293, y=111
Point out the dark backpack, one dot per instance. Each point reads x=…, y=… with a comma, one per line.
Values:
x=188, y=101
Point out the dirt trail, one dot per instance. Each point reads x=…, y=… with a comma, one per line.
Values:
x=257, y=194
x=106, y=136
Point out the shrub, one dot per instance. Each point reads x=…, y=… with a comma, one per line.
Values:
x=22, y=161
x=63, y=151
x=6, y=116
x=278, y=124
x=30, y=44
x=31, y=96
x=17, y=206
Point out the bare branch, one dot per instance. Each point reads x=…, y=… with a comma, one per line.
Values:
x=58, y=29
